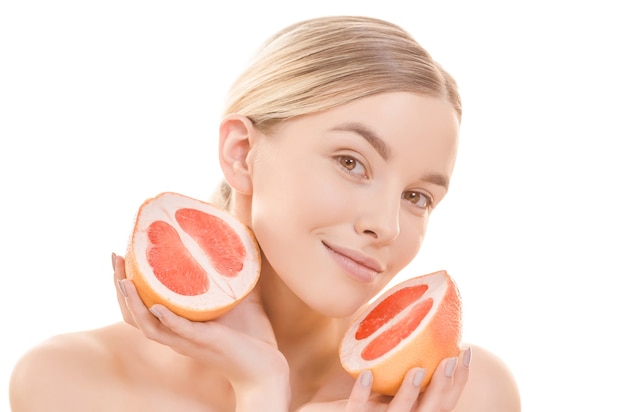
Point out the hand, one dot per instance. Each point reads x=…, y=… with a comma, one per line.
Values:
x=240, y=344
x=441, y=395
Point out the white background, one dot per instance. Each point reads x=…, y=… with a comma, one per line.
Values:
x=103, y=104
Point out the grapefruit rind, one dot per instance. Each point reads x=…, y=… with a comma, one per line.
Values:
x=437, y=337
x=224, y=291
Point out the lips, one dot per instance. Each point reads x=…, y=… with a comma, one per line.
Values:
x=356, y=264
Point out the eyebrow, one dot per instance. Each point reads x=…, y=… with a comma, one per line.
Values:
x=384, y=150
x=368, y=134
x=436, y=179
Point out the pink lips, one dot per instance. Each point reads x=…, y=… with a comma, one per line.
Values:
x=354, y=263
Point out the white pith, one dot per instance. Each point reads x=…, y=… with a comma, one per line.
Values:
x=351, y=348
x=222, y=290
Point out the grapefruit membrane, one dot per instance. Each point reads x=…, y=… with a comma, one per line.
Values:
x=416, y=323
x=191, y=256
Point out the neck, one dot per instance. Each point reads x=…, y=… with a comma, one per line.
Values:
x=308, y=340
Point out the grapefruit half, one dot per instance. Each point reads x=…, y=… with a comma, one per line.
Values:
x=416, y=323
x=193, y=257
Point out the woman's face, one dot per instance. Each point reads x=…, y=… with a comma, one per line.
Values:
x=341, y=199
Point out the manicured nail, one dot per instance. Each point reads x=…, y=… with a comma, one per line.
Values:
x=121, y=287
x=418, y=377
x=450, y=367
x=113, y=256
x=366, y=379
x=467, y=357
x=155, y=312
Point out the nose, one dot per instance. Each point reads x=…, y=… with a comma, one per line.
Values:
x=379, y=218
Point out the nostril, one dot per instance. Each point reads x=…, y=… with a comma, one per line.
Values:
x=371, y=232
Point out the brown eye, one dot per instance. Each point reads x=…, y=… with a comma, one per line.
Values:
x=347, y=162
x=351, y=165
x=419, y=199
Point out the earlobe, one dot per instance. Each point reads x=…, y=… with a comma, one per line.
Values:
x=236, y=137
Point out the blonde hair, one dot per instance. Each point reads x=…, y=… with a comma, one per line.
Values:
x=326, y=62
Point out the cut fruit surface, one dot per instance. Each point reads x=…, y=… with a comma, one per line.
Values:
x=194, y=258
x=416, y=323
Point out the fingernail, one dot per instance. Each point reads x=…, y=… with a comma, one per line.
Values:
x=418, y=377
x=121, y=287
x=155, y=312
x=467, y=357
x=366, y=379
x=450, y=367
x=113, y=256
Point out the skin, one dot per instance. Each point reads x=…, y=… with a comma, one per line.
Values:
x=351, y=190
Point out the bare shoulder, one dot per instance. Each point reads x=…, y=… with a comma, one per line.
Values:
x=491, y=385
x=41, y=378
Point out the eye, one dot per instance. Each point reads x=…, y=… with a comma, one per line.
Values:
x=351, y=165
x=419, y=199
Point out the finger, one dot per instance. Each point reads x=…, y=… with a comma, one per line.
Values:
x=409, y=391
x=214, y=343
x=164, y=326
x=138, y=313
x=133, y=309
x=181, y=327
x=119, y=274
x=360, y=392
x=460, y=378
x=441, y=383
x=160, y=324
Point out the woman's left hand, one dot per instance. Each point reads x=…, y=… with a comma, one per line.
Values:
x=441, y=395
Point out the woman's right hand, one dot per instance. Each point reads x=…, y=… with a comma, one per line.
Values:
x=240, y=344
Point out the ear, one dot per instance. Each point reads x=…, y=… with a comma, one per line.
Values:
x=236, y=137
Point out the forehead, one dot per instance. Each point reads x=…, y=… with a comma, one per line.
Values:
x=409, y=114
x=413, y=131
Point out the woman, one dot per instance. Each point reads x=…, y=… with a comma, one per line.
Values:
x=337, y=143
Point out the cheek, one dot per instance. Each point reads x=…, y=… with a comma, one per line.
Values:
x=282, y=200
x=298, y=192
x=412, y=234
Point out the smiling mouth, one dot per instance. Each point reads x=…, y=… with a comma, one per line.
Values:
x=358, y=267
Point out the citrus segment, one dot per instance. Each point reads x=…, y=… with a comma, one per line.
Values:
x=220, y=242
x=187, y=277
x=196, y=259
x=388, y=308
x=387, y=340
x=416, y=323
